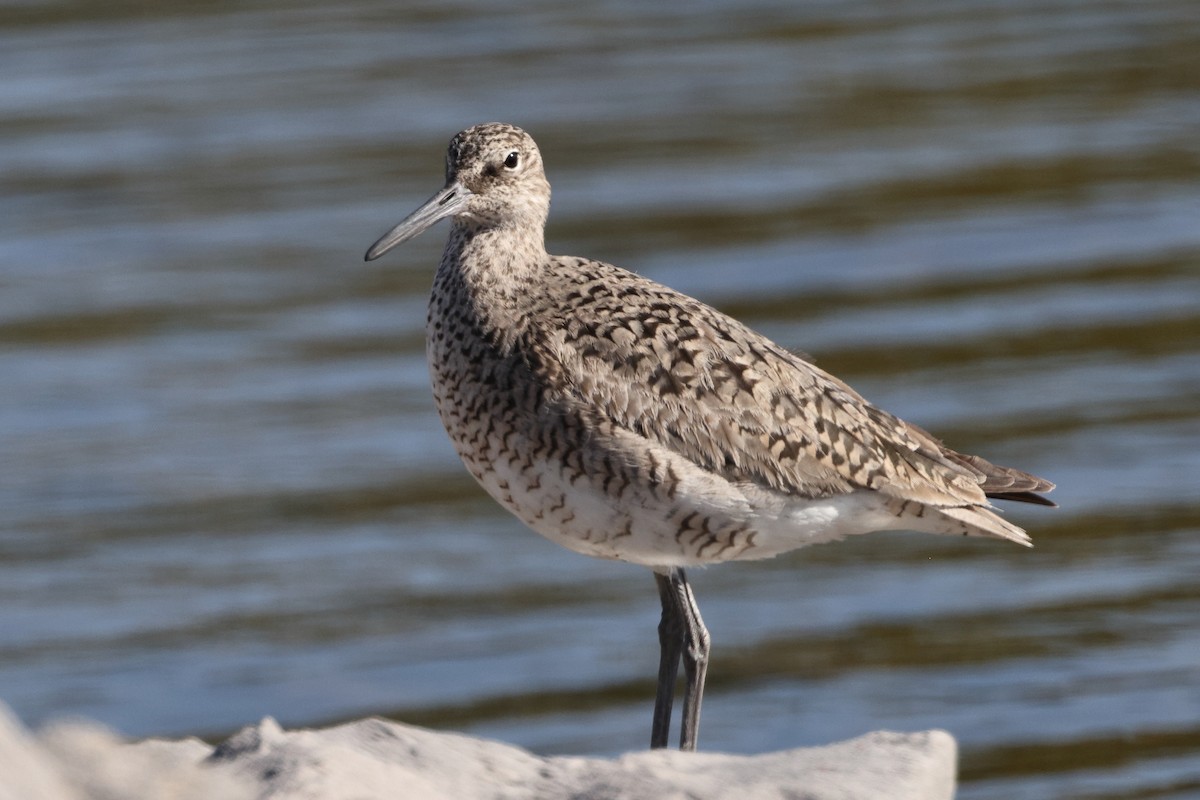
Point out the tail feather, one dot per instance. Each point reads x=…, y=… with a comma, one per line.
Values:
x=979, y=521
x=964, y=520
x=1023, y=497
x=1005, y=483
x=1001, y=483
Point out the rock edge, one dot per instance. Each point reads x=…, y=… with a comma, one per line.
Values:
x=375, y=758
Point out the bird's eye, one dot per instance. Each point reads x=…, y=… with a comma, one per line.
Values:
x=514, y=158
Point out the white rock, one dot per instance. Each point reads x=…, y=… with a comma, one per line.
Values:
x=27, y=770
x=374, y=758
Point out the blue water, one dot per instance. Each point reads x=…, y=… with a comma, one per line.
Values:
x=224, y=492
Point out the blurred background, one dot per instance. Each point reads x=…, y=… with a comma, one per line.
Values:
x=224, y=492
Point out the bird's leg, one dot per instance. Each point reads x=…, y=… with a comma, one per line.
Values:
x=670, y=642
x=681, y=633
x=695, y=659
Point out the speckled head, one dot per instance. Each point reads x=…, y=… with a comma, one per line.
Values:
x=494, y=178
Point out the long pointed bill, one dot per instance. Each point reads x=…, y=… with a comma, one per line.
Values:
x=445, y=203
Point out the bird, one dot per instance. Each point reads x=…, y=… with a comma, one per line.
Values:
x=627, y=421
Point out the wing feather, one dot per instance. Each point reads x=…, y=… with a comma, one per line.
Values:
x=676, y=371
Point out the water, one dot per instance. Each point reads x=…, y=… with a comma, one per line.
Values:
x=224, y=492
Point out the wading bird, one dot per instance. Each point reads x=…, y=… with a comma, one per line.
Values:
x=624, y=420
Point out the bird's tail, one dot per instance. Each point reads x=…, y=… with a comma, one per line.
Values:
x=964, y=520
x=1005, y=483
x=979, y=521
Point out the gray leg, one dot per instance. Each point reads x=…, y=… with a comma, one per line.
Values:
x=681, y=632
x=670, y=642
x=695, y=664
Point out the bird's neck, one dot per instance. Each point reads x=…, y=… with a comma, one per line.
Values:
x=487, y=280
x=502, y=259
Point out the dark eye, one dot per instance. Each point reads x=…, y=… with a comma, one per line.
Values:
x=513, y=159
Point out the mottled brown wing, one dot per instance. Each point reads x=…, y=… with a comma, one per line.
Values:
x=679, y=372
